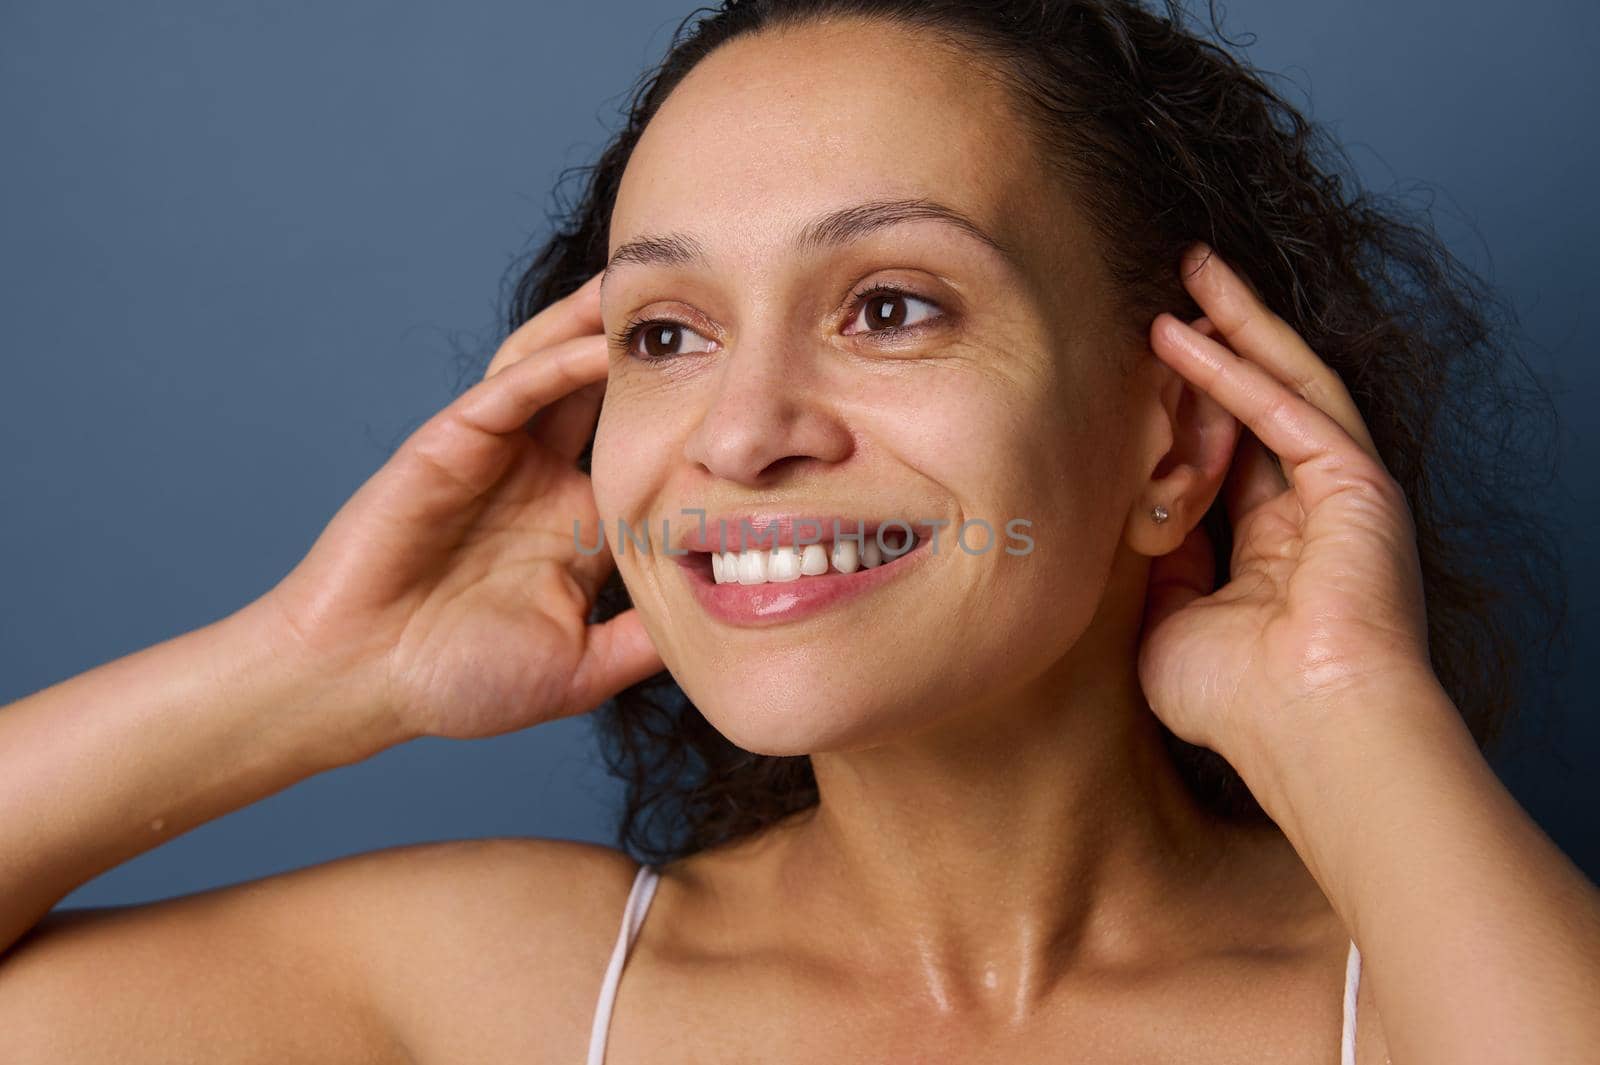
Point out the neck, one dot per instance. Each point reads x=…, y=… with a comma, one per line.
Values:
x=993, y=851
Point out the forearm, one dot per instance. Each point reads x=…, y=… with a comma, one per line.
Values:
x=1480, y=937
x=103, y=766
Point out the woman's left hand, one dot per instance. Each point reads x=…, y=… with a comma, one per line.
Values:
x=1325, y=593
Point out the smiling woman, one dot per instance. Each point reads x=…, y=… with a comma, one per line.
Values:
x=923, y=288
x=1041, y=310
x=1080, y=599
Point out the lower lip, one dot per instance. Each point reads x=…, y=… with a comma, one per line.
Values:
x=776, y=602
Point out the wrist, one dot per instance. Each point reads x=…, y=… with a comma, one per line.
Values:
x=1330, y=770
x=1304, y=745
x=336, y=707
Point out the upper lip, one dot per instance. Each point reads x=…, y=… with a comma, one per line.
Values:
x=752, y=530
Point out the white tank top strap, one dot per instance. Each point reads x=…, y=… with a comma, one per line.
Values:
x=644, y=889
x=1352, y=983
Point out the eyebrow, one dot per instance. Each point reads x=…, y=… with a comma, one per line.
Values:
x=831, y=230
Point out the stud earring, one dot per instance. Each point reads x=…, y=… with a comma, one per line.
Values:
x=1158, y=513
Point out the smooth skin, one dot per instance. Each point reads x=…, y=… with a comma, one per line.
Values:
x=1015, y=876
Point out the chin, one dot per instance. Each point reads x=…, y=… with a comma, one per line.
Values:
x=774, y=710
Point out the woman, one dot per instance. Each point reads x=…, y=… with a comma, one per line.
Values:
x=1177, y=768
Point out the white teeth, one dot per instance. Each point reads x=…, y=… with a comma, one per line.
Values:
x=814, y=560
x=871, y=553
x=752, y=567
x=783, y=564
x=789, y=563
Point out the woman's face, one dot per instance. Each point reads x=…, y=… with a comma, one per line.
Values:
x=767, y=386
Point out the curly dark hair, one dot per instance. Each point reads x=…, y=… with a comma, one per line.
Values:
x=1163, y=137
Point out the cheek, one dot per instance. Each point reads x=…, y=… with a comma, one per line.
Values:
x=1061, y=471
x=997, y=447
x=630, y=455
x=1039, y=465
x=629, y=464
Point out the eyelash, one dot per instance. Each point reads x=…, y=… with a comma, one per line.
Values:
x=629, y=333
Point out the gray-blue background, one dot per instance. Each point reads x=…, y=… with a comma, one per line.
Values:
x=242, y=244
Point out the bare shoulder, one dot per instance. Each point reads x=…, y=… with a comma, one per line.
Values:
x=1275, y=902
x=468, y=950
x=493, y=949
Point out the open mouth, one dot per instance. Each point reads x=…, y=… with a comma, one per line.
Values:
x=805, y=563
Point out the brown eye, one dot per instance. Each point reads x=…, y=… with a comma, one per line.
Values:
x=660, y=339
x=888, y=310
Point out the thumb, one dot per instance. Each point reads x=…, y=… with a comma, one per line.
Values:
x=616, y=654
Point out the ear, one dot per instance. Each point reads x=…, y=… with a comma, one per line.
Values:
x=1189, y=443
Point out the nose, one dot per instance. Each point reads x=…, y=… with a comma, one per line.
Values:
x=766, y=412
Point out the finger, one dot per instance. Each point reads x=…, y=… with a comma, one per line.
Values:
x=1254, y=477
x=1298, y=431
x=619, y=652
x=467, y=441
x=568, y=424
x=575, y=314
x=509, y=399
x=1250, y=328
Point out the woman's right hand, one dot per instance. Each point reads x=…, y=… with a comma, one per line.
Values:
x=449, y=591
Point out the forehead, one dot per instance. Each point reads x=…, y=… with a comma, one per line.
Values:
x=768, y=129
